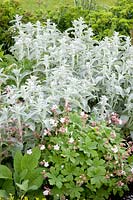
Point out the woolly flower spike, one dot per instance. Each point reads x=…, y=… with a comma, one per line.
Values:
x=29, y=151
x=115, y=149
x=132, y=170
x=56, y=147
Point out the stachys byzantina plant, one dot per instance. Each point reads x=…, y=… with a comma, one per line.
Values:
x=95, y=76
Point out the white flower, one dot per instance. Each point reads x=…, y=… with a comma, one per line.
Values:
x=29, y=151
x=42, y=147
x=53, y=122
x=62, y=120
x=46, y=192
x=132, y=170
x=120, y=122
x=115, y=149
x=45, y=132
x=123, y=172
x=54, y=108
x=56, y=147
x=71, y=140
x=46, y=164
x=82, y=114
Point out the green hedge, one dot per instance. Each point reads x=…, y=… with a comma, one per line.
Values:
x=104, y=21
x=8, y=11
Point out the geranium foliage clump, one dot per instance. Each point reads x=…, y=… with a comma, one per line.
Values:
x=85, y=160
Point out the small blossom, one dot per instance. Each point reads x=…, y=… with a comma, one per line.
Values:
x=46, y=192
x=56, y=147
x=130, y=143
x=83, y=115
x=107, y=176
x=93, y=124
x=115, y=149
x=46, y=164
x=111, y=175
x=120, y=122
x=63, y=130
x=53, y=122
x=44, y=173
x=71, y=140
x=120, y=183
x=113, y=135
x=41, y=163
x=29, y=151
x=46, y=132
x=121, y=173
x=62, y=120
x=42, y=147
x=67, y=107
x=132, y=170
x=54, y=108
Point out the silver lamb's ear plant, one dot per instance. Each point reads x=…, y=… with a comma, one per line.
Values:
x=91, y=75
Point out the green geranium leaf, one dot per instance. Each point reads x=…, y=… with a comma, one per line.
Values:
x=9, y=187
x=5, y=172
x=31, y=161
x=17, y=162
x=3, y=194
x=35, y=178
x=130, y=159
x=23, y=186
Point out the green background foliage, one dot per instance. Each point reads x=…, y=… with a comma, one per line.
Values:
x=103, y=18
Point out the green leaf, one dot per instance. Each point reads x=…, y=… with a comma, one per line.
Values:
x=31, y=161
x=17, y=162
x=76, y=119
x=130, y=159
x=59, y=184
x=9, y=187
x=3, y=194
x=35, y=178
x=23, y=174
x=23, y=186
x=5, y=172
